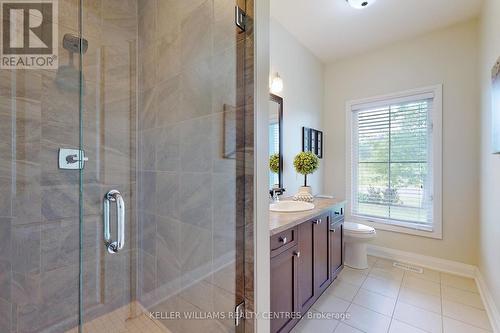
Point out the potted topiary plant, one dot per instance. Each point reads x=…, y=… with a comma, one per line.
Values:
x=274, y=163
x=274, y=166
x=305, y=163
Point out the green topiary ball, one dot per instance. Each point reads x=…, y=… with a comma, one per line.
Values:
x=306, y=163
x=274, y=163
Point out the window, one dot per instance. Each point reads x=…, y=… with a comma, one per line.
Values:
x=274, y=148
x=395, y=161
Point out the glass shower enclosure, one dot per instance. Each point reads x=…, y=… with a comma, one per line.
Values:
x=124, y=166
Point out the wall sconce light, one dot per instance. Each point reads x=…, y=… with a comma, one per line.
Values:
x=276, y=84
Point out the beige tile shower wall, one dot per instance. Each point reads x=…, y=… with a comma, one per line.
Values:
x=39, y=208
x=447, y=56
x=489, y=227
x=187, y=189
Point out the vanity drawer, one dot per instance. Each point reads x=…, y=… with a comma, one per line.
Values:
x=283, y=241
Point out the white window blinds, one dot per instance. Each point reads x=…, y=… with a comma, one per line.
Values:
x=392, y=161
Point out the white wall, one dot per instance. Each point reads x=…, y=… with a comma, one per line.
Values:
x=489, y=236
x=447, y=56
x=261, y=246
x=302, y=74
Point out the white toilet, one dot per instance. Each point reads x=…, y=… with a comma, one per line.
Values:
x=356, y=237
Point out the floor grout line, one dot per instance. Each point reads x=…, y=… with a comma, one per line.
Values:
x=351, y=302
x=398, y=299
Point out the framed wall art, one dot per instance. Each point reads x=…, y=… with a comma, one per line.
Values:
x=312, y=140
x=306, y=139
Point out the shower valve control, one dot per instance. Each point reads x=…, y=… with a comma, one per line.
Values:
x=72, y=159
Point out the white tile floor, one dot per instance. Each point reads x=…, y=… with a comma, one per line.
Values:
x=385, y=299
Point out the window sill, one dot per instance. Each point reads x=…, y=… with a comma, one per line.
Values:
x=381, y=224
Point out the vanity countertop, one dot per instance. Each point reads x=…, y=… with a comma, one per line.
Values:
x=279, y=222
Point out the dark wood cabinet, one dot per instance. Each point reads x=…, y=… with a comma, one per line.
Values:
x=284, y=296
x=306, y=265
x=314, y=261
x=304, y=261
x=283, y=241
x=321, y=253
x=336, y=240
x=336, y=249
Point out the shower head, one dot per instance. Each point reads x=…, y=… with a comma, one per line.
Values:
x=68, y=77
x=75, y=44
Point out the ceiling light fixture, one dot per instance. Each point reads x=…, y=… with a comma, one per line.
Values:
x=360, y=4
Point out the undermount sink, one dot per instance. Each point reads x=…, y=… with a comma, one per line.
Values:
x=290, y=206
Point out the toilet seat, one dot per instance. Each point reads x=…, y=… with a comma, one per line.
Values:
x=358, y=229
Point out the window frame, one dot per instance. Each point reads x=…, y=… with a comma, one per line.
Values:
x=437, y=128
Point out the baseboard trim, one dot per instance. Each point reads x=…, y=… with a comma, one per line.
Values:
x=491, y=308
x=443, y=265
x=447, y=266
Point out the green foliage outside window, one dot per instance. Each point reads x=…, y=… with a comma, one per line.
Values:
x=393, y=162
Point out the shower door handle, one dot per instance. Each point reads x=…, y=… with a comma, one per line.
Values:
x=114, y=246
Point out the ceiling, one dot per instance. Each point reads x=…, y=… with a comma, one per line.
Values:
x=331, y=29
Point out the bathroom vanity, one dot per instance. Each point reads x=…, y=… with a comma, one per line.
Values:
x=307, y=250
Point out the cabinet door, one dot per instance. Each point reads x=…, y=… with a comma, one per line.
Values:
x=337, y=249
x=306, y=265
x=321, y=254
x=284, y=289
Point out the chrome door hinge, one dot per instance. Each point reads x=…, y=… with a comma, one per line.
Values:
x=240, y=18
x=239, y=313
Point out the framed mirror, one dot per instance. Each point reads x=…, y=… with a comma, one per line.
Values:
x=275, y=141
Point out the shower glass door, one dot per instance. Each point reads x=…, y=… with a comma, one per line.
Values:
x=39, y=201
x=123, y=168
x=162, y=89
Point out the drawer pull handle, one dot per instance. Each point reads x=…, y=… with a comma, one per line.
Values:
x=319, y=221
x=297, y=254
x=283, y=240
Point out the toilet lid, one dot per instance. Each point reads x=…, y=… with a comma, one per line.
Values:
x=358, y=228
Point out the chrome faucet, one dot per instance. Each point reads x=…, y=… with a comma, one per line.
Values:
x=274, y=193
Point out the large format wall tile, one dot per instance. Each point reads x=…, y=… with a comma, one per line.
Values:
x=169, y=110
x=26, y=241
x=167, y=149
x=196, y=94
x=168, y=254
x=167, y=195
x=196, y=145
x=196, y=199
x=5, y=259
x=58, y=244
x=196, y=38
x=5, y=315
x=196, y=254
x=59, y=295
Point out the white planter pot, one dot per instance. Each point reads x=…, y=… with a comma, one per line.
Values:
x=304, y=194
